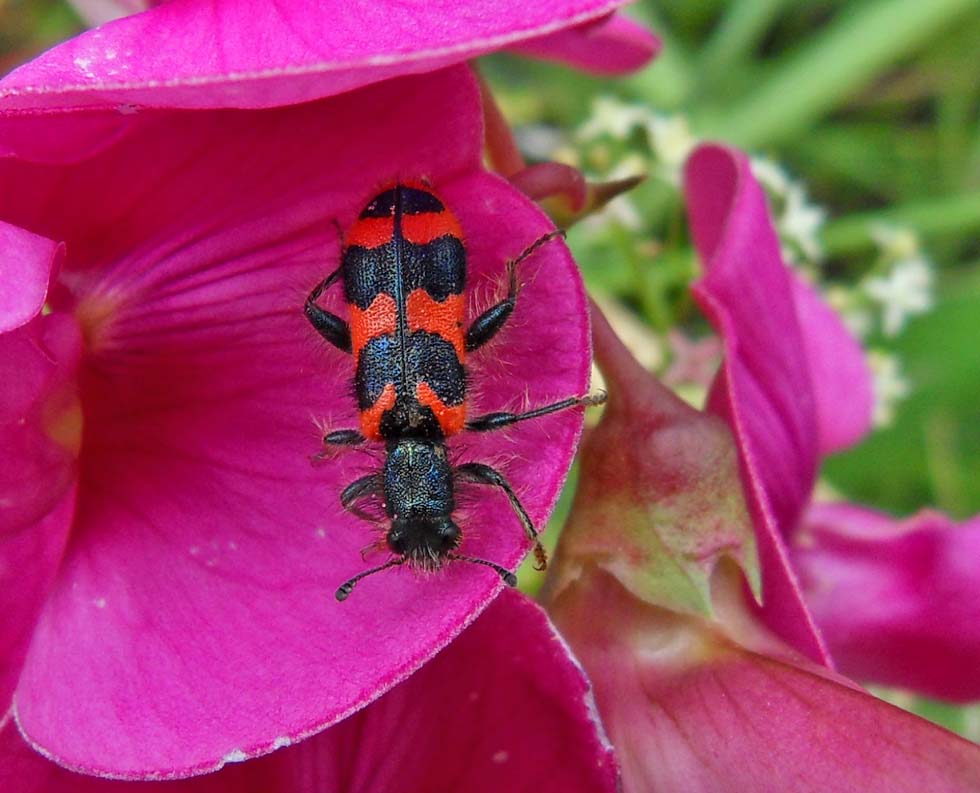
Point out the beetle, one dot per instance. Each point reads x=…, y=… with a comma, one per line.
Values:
x=403, y=268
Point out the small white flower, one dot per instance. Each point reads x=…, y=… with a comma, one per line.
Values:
x=539, y=141
x=904, y=292
x=612, y=117
x=797, y=220
x=849, y=305
x=800, y=221
x=771, y=175
x=621, y=210
x=632, y=164
x=895, y=242
x=671, y=141
x=890, y=386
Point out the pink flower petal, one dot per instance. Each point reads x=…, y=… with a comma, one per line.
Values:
x=839, y=373
x=61, y=140
x=37, y=494
x=504, y=707
x=895, y=600
x=193, y=621
x=22, y=770
x=26, y=266
x=287, y=52
x=689, y=709
x=764, y=390
x=614, y=45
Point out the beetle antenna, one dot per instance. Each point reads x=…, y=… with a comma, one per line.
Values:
x=343, y=591
x=508, y=577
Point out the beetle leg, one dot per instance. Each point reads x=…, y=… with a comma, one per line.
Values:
x=487, y=325
x=370, y=485
x=343, y=438
x=330, y=326
x=496, y=421
x=485, y=475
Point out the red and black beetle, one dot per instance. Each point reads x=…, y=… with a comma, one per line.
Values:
x=403, y=267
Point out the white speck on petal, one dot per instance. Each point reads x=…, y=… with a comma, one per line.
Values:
x=99, y=603
x=281, y=742
x=501, y=757
x=235, y=756
x=83, y=65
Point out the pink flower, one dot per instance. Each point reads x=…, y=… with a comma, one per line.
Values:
x=709, y=673
x=502, y=708
x=793, y=388
x=896, y=600
x=174, y=573
x=168, y=557
x=296, y=50
x=772, y=367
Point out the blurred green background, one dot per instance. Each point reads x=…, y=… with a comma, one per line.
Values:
x=871, y=106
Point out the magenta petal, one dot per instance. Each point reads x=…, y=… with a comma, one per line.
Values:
x=749, y=296
x=278, y=53
x=774, y=726
x=505, y=707
x=193, y=620
x=895, y=600
x=689, y=709
x=614, y=45
x=26, y=265
x=839, y=373
x=61, y=139
x=22, y=770
x=764, y=390
x=37, y=409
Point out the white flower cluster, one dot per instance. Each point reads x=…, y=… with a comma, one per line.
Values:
x=666, y=143
x=798, y=221
x=668, y=137
x=898, y=286
x=889, y=384
x=902, y=282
